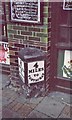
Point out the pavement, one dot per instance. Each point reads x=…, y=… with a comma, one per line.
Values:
x=14, y=105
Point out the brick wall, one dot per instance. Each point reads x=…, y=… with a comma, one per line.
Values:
x=20, y=36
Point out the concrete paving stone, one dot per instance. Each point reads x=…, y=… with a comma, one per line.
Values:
x=4, y=92
x=11, y=105
x=5, y=101
x=0, y=115
x=7, y=92
x=17, y=107
x=0, y=108
x=0, y=112
x=5, y=78
x=21, y=99
x=64, y=116
x=32, y=105
x=17, y=115
x=0, y=84
x=7, y=113
x=1, y=93
x=62, y=97
x=66, y=113
x=36, y=114
x=25, y=110
x=35, y=100
x=50, y=107
x=12, y=98
x=10, y=95
x=0, y=99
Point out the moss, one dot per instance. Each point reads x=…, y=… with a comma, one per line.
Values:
x=45, y=30
x=9, y=27
x=46, y=9
x=44, y=39
x=45, y=20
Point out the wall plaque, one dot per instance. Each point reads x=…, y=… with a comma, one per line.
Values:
x=25, y=10
x=67, y=5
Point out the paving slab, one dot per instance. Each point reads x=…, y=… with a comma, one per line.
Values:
x=11, y=105
x=0, y=112
x=50, y=107
x=16, y=107
x=5, y=101
x=0, y=82
x=21, y=99
x=9, y=94
x=25, y=110
x=32, y=105
x=35, y=100
x=62, y=97
x=5, y=79
x=0, y=115
x=66, y=113
x=36, y=114
x=7, y=113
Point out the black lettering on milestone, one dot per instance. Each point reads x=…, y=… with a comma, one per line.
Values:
x=36, y=65
x=30, y=71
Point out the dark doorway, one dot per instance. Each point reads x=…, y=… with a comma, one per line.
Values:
x=61, y=48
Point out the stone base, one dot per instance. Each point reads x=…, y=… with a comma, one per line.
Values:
x=35, y=90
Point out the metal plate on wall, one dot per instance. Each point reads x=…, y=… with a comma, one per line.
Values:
x=25, y=10
x=67, y=5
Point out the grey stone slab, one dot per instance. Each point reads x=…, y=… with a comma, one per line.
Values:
x=50, y=107
x=67, y=112
x=35, y=100
x=7, y=113
x=25, y=110
x=64, y=116
x=0, y=81
x=0, y=115
x=6, y=101
x=21, y=99
x=7, y=92
x=62, y=97
x=5, y=79
x=36, y=114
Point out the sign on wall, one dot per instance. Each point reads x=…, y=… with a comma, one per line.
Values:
x=21, y=69
x=35, y=72
x=25, y=10
x=4, y=53
x=67, y=5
